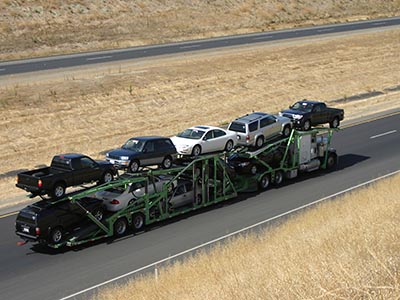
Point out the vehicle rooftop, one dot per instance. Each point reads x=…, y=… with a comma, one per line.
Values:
x=310, y=101
x=148, y=138
x=70, y=155
x=252, y=117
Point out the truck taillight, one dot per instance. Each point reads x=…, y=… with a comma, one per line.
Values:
x=247, y=138
x=16, y=179
x=37, y=231
x=39, y=183
x=115, y=201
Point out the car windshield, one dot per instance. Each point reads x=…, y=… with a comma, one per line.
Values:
x=302, y=106
x=193, y=134
x=133, y=145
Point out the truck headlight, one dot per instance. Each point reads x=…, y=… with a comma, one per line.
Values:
x=107, y=155
x=297, y=117
x=124, y=157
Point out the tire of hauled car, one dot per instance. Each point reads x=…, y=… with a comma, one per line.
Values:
x=196, y=151
x=229, y=145
x=286, y=131
x=134, y=166
x=306, y=125
x=56, y=235
x=167, y=162
x=58, y=190
x=334, y=123
x=107, y=177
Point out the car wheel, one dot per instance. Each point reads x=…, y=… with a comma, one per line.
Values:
x=58, y=190
x=138, y=221
x=107, y=177
x=198, y=200
x=229, y=145
x=278, y=178
x=98, y=213
x=331, y=161
x=120, y=227
x=196, y=150
x=306, y=125
x=264, y=182
x=167, y=162
x=335, y=123
x=259, y=141
x=134, y=166
x=286, y=131
x=253, y=170
x=56, y=235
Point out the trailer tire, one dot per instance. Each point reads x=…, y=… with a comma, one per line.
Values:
x=56, y=235
x=58, y=190
x=198, y=200
x=278, y=178
x=120, y=227
x=263, y=184
x=138, y=222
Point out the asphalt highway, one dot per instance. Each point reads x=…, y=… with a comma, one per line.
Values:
x=366, y=151
x=56, y=62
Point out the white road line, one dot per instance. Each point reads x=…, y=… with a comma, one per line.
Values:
x=1, y=70
x=263, y=37
x=379, y=23
x=99, y=57
x=190, y=46
x=382, y=134
x=326, y=30
x=229, y=235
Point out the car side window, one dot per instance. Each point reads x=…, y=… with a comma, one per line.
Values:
x=219, y=133
x=84, y=163
x=317, y=108
x=163, y=145
x=209, y=135
x=149, y=146
x=253, y=126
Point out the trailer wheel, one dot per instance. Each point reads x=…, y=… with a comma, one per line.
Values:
x=120, y=227
x=334, y=123
x=138, y=221
x=278, y=178
x=134, y=166
x=264, y=182
x=56, y=235
x=58, y=190
x=198, y=200
x=331, y=161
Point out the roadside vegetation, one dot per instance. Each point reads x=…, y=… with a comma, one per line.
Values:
x=38, y=28
x=347, y=248
x=98, y=109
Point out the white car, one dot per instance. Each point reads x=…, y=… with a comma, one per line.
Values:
x=203, y=139
x=117, y=198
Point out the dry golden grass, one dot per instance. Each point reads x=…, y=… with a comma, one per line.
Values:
x=97, y=111
x=342, y=249
x=38, y=28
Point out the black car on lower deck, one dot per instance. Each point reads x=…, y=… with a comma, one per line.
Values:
x=143, y=151
x=49, y=222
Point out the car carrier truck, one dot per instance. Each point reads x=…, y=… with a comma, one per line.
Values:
x=202, y=182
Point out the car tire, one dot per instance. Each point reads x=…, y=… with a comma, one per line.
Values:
x=58, y=190
x=56, y=235
x=98, y=213
x=264, y=182
x=306, y=125
x=278, y=178
x=120, y=227
x=138, y=222
x=259, y=142
x=229, y=146
x=199, y=200
x=134, y=166
x=253, y=169
x=286, y=131
x=107, y=177
x=167, y=162
x=334, y=123
x=196, y=151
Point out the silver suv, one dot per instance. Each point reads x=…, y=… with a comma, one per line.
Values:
x=255, y=128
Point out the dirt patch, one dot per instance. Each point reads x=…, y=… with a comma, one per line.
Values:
x=97, y=111
x=38, y=28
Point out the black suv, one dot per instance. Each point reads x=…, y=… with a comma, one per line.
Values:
x=49, y=222
x=143, y=151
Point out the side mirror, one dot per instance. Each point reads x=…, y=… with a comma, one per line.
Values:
x=144, y=150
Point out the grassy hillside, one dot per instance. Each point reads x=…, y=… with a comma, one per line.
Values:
x=342, y=249
x=36, y=27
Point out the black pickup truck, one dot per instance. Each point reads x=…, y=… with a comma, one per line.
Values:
x=305, y=114
x=65, y=170
x=49, y=222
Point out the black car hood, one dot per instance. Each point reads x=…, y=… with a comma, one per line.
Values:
x=123, y=152
x=293, y=112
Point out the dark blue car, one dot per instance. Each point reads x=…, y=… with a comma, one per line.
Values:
x=143, y=151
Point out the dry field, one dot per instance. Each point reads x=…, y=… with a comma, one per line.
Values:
x=37, y=27
x=342, y=249
x=91, y=112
